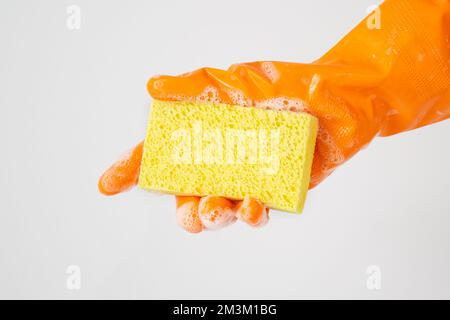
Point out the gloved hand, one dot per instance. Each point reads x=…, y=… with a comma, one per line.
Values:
x=375, y=81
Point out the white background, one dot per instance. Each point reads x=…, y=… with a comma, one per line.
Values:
x=72, y=101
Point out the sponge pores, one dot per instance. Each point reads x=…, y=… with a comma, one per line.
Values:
x=230, y=151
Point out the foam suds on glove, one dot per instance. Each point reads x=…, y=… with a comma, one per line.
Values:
x=216, y=213
x=253, y=212
x=188, y=216
x=229, y=151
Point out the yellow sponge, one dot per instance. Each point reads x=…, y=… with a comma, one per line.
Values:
x=229, y=151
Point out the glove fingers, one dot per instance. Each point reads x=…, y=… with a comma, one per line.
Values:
x=187, y=214
x=123, y=174
x=253, y=212
x=216, y=212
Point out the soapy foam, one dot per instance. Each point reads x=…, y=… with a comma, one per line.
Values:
x=238, y=98
x=217, y=218
x=270, y=71
x=188, y=218
x=334, y=154
x=283, y=104
x=245, y=212
x=209, y=94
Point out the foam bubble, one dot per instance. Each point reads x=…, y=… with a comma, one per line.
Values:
x=215, y=218
x=333, y=154
x=270, y=71
x=188, y=219
x=282, y=103
x=238, y=98
x=209, y=94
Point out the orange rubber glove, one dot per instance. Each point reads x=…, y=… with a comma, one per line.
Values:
x=390, y=74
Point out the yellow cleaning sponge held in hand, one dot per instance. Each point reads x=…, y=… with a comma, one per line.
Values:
x=230, y=151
